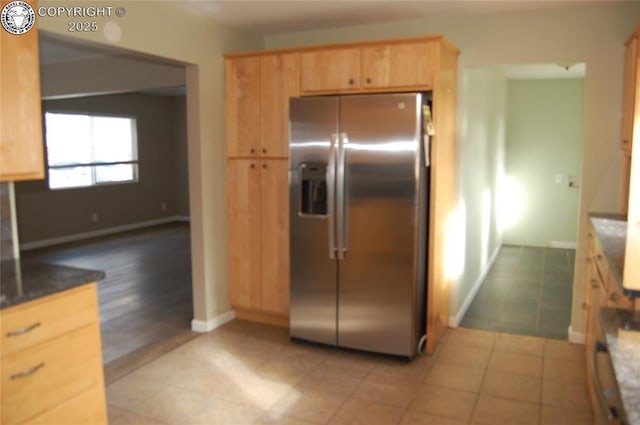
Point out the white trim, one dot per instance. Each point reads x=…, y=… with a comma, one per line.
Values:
x=94, y=233
x=576, y=337
x=454, y=321
x=202, y=326
x=183, y=218
x=564, y=245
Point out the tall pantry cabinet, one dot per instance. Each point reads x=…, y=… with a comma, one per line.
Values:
x=258, y=88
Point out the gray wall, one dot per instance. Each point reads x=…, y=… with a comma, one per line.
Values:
x=544, y=138
x=161, y=146
x=7, y=242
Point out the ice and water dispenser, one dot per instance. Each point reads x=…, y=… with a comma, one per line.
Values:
x=314, y=188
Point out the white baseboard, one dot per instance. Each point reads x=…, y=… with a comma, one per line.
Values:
x=202, y=326
x=576, y=337
x=183, y=218
x=564, y=245
x=95, y=233
x=454, y=321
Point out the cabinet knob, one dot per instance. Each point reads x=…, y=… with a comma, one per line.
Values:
x=614, y=297
x=252, y=166
x=351, y=81
x=253, y=150
x=368, y=80
x=594, y=283
x=585, y=306
x=264, y=166
x=625, y=142
x=264, y=150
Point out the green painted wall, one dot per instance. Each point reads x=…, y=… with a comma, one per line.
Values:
x=544, y=141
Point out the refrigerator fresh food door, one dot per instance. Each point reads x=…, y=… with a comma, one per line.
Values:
x=378, y=230
x=313, y=269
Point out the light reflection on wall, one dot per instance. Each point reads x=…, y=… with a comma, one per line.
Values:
x=512, y=202
x=485, y=227
x=455, y=242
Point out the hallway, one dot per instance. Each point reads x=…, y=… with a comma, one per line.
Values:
x=528, y=291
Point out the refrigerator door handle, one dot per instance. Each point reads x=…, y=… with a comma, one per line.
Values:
x=341, y=207
x=331, y=184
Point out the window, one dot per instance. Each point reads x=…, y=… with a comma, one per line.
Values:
x=90, y=150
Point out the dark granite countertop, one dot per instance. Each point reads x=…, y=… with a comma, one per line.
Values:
x=611, y=231
x=621, y=330
x=26, y=280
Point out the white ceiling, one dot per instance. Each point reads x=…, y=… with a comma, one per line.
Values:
x=270, y=17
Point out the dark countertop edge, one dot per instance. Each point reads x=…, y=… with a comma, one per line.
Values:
x=616, y=264
x=613, y=319
x=22, y=281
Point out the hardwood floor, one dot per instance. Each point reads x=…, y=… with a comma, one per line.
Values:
x=145, y=300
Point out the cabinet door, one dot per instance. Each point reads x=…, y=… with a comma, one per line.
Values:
x=279, y=82
x=275, y=236
x=597, y=300
x=243, y=232
x=629, y=93
x=21, y=142
x=401, y=65
x=242, y=82
x=330, y=70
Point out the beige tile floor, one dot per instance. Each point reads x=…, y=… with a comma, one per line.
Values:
x=244, y=373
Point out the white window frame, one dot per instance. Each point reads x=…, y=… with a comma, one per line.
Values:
x=94, y=163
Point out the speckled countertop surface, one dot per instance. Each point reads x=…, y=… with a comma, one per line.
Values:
x=26, y=280
x=611, y=231
x=621, y=330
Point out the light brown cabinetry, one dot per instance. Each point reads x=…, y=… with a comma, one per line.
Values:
x=257, y=104
x=21, y=142
x=631, y=164
x=257, y=222
x=52, y=360
x=383, y=66
x=258, y=88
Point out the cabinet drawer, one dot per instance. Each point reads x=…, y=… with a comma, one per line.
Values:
x=38, y=378
x=86, y=408
x=34, y=322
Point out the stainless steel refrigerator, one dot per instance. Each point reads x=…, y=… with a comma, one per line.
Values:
x=358, y=171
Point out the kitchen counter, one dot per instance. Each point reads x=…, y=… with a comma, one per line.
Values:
x=611, y=231
x=27, y=280
x=621, y=330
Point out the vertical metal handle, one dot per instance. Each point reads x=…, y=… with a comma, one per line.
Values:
x=610, y=413
x=341, y=206
x=331, y=184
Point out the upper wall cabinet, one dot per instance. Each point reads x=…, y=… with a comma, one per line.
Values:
x=387, y=66
x=258, y=91
x=21, y=143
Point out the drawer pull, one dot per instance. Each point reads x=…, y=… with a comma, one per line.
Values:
x=24, y=330
x=27, y=372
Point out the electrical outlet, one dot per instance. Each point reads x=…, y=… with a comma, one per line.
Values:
x=558, y=178
x=94, y=217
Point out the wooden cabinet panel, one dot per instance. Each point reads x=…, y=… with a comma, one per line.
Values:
x=243, y=106
x=275, y=236
x=87, y=408
x=279, y=82
x=629, y=93
x=39, y=378
x=32, y=323
x=332, y=70
x=21, y=142
x=243, y=231
x=399, y=65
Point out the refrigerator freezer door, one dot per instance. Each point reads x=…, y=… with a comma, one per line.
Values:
x=381, y=270
x=313, y=279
